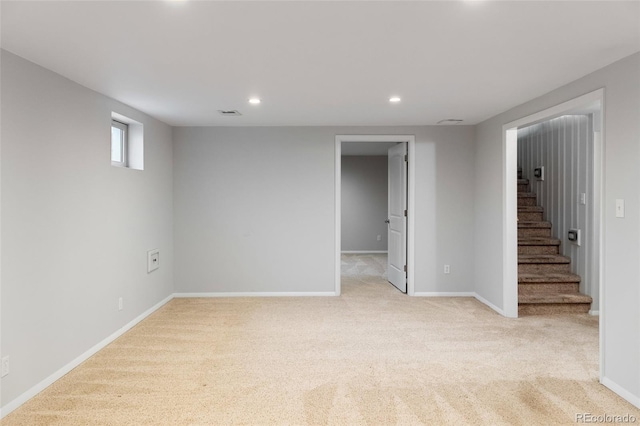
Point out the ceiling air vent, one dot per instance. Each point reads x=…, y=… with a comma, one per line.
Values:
x=229, y=112
x=450, y=121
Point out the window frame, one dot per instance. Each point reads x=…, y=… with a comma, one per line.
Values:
x=124, y=144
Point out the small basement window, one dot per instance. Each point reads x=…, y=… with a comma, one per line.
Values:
x=127, y=142
x=119, y=143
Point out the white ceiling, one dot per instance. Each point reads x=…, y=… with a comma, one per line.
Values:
x=321, y=63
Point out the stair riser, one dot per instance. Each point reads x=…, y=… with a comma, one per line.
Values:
x=541, y=293
x=526, y=201
x=544, y=268
x=530, y=216
x=548, y=288
x=552, y=308
x=538, y=250
x=534, y=232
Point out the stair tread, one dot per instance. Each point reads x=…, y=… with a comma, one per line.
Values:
x=533, y=224
x=525, y=278
x=552, y=298
x=523, y=181
x=530, y=209
x=541, y=241
x=527, y=195
x=542, y=258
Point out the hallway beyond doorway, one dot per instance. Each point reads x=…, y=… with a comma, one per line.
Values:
x=370, y=264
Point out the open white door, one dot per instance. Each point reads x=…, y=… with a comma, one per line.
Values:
x=397, y=217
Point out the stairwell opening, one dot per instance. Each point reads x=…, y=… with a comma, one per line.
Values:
x=555, y=215
x=588, y=104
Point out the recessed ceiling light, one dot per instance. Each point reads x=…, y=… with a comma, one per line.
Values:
x=254, y=101
x=394, y=99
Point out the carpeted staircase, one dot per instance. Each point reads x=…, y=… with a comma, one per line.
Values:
x=545, y=282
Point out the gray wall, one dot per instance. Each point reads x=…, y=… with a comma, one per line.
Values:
x=254, y=207
x=564, y=146
x=621, y=293
x=75, y=230
x=364, y=203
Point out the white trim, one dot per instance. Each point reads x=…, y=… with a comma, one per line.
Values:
x=411, y=209
x=364, y=251
x=124, y=142
x=594, y=313
x=11, y=406
x=489, y=304
x=509, y=222
x=460, y=294
x=633, y=399
x=558, y=110
x=444, y=294
x=411, y=202
x=256, y=294
x=337, y=221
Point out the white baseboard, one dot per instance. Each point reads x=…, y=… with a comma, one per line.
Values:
x=443, y=294
x=616, y=388
x=594, y=313
x=459, y=294
x=11, y=406
x=364, y=252
x=489, y=304
x=258, y=294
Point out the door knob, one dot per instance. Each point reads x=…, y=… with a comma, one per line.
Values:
x=386, y=221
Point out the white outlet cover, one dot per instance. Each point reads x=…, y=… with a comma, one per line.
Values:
x=153, y=260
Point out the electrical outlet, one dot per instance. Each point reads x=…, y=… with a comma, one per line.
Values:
x=447, y=269
x=5, y=366
x=153, y=260
x=583, y=198
x=379, y=237
x=120, y=304
x=573, y=235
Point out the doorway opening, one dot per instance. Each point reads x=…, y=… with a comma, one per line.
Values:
x=369, y=243
x=364, y=217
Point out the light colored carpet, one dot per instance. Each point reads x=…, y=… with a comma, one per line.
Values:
x=372, y=356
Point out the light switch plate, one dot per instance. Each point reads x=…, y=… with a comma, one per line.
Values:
x=153, y=260
x=619, y=208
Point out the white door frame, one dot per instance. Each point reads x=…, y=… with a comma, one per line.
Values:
x=510, y=201
x=411, y=201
